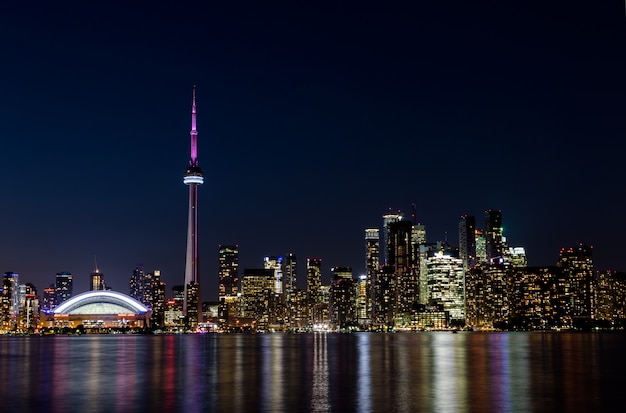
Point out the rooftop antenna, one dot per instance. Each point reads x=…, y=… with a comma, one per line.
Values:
x=96, y=262
x=413, y=211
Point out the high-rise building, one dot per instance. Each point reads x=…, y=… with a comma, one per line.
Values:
x=97, y=281
x=64, y=287
x=229, y=281
x=290, y=275
x=313, y=285
x=494, y=244
x=228, y=256
x=29, y=308
x=193, y=177
x=48, y=299
x=157, y=319
x=275, y=264
x=446, y=284
x=372, y=266
x=577, y=266
x=401, y=255
x=139, y=285
x=342, y=300
x=388, y=219
x=258, y=295
x=467, y=240
x=9, y=301
x=341, y=273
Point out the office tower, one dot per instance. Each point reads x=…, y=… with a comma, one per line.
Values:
x=193, y=178
x=290, y=275
x=275, y=264
x=29, y=308
x=400, y=255
x=97, y=281
x=64, y=287
x=228, y=256
x=157, y=319
x=481, y=247
x=258, y=295
x=610, y=298
x=9, y=301
x=363, y=311
x=342, y=299
x=341, y=273
x=516, y=257
x=467, y=240
x=494, y=246
x=388, y=219
x=178, y=296
x=577, y=267
x=446, y=284
x=386, y=297
x=139, y=285
x=372, y=265
x=313, y=286
x=48, y=299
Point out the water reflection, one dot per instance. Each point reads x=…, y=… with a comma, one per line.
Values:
x=404, y=372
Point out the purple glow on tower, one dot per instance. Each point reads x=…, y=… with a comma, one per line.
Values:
x=193, y=178
x=194, y=133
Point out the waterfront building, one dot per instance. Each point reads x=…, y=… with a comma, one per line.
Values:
x=446, y=284
x=48, y=299
x=9, y=302
x=158, y=303
x=610, y=299
x=342, y=299
x=100, y=310
x=400, y=255
x=313, y=285
x=29, y=308
x=228, y=294
x=533, y=297
x=386, y=297
x=64, y=287
x=192, y=303
x=258, y=295
x=577, y=266
x=372, y=265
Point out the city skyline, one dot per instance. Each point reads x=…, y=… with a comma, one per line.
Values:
x=314, y=122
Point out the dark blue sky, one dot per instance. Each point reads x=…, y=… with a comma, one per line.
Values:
x=313, y=120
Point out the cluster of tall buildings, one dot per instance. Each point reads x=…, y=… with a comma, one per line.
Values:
x=482, y=283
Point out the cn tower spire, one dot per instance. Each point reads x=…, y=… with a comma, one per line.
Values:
x=194, y=133
x=192, y=303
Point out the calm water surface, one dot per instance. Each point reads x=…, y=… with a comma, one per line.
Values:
x=361, y=372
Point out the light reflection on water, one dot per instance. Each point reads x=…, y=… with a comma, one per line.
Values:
x=318, y=372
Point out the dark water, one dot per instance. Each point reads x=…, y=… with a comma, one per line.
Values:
x=362, y=372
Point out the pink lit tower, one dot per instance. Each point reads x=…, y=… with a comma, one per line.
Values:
x=192, y=304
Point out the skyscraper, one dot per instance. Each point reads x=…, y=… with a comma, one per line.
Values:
x=229, y=281
x=97, y=281
x=467, y=240
x=64, y=287
x=372, y=265
x=290, y=278
x=276, y=264
x=192, y=306
x=494, y=244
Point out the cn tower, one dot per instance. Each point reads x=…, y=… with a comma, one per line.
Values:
x=192, y=304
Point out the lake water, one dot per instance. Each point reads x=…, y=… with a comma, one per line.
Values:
x=317, y=372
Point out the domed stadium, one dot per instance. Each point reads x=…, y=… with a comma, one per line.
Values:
x=101, y=309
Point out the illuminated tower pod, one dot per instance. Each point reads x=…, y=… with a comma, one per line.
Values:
x=193, y=177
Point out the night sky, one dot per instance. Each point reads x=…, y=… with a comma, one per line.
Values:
x=313, y=120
